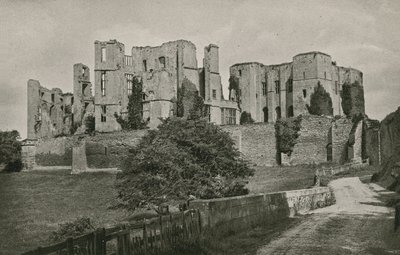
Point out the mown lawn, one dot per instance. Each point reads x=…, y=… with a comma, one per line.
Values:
x=32, y=204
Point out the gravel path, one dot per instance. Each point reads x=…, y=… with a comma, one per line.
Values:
x=359, y=223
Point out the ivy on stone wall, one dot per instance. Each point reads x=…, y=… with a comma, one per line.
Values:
x=90, y=123
x=287, y=132
x=245, y=118
x=352, y=98
x=189, y=103
x=320, y=102
x=234, y=85
x=134, y=120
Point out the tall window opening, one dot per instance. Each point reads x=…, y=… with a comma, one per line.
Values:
x=103, y=83
x=290, y=86
x=103, y=54
x=103, y=113
x=265, y=110
x=304, y=75
x=304, y=93
x=277, y=87
x=336, y=87
x=240, y=72
x=145, y=65
x=162, y=61
x=214, y=94
x=290, y=111
x=325, y=75
x=129, y=82
x=278, y=112
x=264, y=88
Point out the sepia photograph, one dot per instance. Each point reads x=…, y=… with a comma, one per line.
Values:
x=204, y=127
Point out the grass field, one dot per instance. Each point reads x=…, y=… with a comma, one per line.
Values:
x=33, y=204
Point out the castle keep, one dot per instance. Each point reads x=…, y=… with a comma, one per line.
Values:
x=270, y=92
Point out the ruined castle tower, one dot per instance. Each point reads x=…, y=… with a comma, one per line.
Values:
x=270, y=92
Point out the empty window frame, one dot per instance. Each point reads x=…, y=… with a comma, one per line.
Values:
x=103, y=113
x=325, y=75
x=214, y=94
x=162, y=62
x=145, y=65
x=240, y=72
x=129, y=83
x=304, y=75
x=336, y=87
x=304, y=93
x=103, y=54
x=103, y=83
x=290, y=86
x=264, y=88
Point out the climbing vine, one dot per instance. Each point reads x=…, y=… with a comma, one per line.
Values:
x=320, y=102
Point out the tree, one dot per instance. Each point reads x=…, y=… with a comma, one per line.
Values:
x=182, y=158
x=353, y=99
x=287, y=132
x=320, y=102
x=134, y=119
x=10, y=151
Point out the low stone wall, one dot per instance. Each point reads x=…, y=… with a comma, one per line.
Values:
x=256, y=141
x=235, y=213
x=54, y=151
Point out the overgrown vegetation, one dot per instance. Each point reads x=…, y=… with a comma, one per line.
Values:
x=75, y=228
x=320, y=102
x=234, y=85
x=10, y=151
x=134, y=119
x=246, y=118
x=287, y=132
x=183, y=158
x=352, y=98
x=189, y=103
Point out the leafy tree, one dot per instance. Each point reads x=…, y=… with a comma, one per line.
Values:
x=320, y=102
x=179, y=159
x=134, y=119
x=287, y=132
x=245, y=118
x=189, y=104
x=10, y=151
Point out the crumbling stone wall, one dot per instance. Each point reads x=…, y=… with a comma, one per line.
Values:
x=311, y=145
x=341, y=129
x=54, y=151
x=257, y=142
x=109, y=150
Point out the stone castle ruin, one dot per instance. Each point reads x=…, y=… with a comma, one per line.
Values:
x=267, y=93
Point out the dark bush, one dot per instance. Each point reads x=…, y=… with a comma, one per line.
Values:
x=245, y=118
x=10, y=151
x=320, y=102
x=182, y=158
x=75, y=228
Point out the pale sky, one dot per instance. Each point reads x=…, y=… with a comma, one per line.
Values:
x=43, y=39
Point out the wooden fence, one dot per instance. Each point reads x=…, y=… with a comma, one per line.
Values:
x=152, y=236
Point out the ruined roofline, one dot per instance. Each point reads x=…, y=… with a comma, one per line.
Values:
x=349, y=68
x=282, y=64
x=312, y=52
x=248, y=63
x=164, y=44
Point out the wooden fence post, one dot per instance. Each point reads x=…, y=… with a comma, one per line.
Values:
x=70, y=246
x=99, y=242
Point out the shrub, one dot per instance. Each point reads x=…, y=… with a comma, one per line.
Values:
x=189, y=103
x=320, y=102
x=287, y=132
x=245, y=118
x=75, y=228
x=10, y=151
x=182, y=158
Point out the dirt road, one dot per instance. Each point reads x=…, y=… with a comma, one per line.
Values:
x=359, y=223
